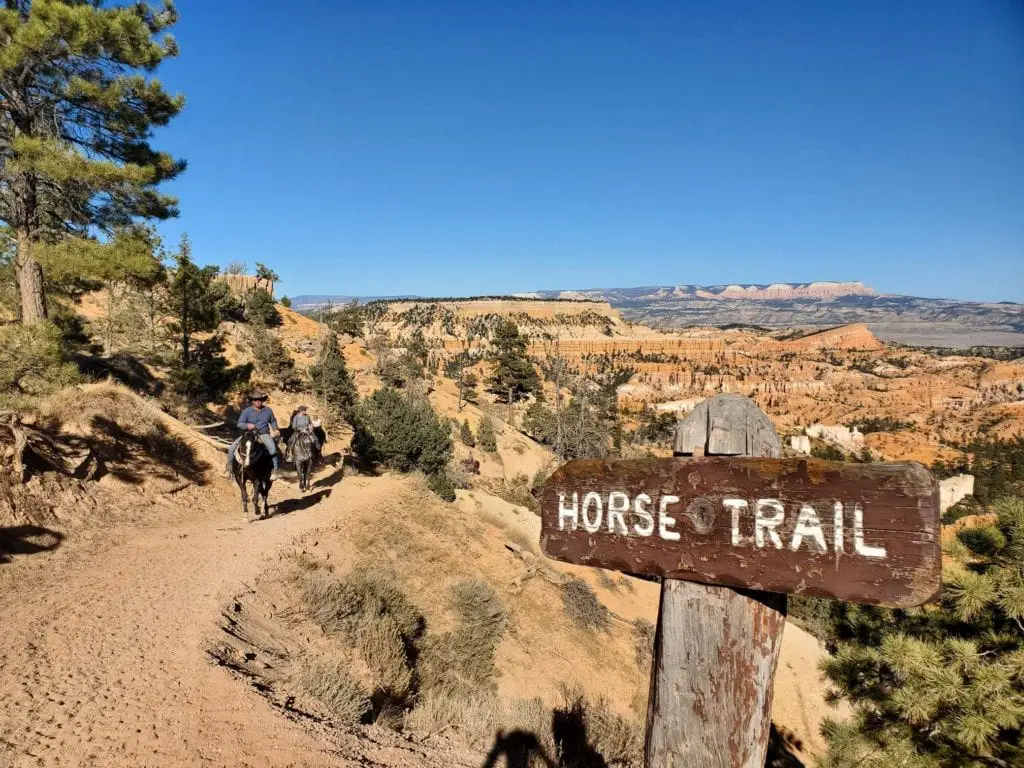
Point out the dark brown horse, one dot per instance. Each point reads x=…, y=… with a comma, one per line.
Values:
x=253, y=465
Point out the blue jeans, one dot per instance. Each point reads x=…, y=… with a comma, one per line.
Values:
x=267, y=441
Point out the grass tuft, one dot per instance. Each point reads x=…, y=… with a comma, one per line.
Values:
x=583, y=607
x=330, y=682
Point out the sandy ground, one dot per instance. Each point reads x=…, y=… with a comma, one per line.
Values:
x=102, y=653
x=103, y=645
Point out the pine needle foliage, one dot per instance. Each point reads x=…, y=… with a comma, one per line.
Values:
x=76, y=116
x=514, y=377
x=486, y=437
x=331, y=379
x=940, y=685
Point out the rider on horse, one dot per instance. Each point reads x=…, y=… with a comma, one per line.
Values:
x=260, y=418
x=303, y=422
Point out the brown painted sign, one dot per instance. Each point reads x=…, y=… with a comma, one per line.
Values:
x=868, y=533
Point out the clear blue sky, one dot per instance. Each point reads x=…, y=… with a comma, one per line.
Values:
x=476, y=147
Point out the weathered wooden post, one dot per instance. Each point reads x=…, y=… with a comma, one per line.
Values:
x=731, y=534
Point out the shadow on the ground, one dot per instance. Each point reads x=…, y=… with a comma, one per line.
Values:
x=783, y=746
x=573, y=747
x=27, y=540
x=303, y=502
x=132, y=457
x=122, y=367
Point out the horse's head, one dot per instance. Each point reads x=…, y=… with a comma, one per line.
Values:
x=250, y=449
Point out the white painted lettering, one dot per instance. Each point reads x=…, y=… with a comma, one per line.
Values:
x=808, y=524
x=736, y=506
x=665, y=522
x=641, y=505
x=837, y=526
x=768, y=515
x=568, y=513
x=858, y=536
x=618, y=502
x=595, y=499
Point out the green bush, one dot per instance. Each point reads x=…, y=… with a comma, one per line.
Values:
x=259, y=308
x=486, y=437
x=401, y=433
x=272, y=359
x=209, y=377
x=442, y=484
x=466, y=434
x=32, y=360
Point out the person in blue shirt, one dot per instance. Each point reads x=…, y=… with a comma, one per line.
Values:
x=260, y=418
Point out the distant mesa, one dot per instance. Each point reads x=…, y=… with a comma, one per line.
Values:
x=776, y=291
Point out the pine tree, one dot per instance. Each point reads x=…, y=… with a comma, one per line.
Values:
x=514, y=376
x=192, y=300
x=466, y=434
x=939, y=686
x=76, y=116
x=485, y=435
x=331, y=379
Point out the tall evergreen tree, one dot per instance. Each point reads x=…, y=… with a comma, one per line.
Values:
x=513, y=377
x=191, y=300
x=331, y=378
x=76, y=118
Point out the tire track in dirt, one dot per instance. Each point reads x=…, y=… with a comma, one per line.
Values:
x=102, y=656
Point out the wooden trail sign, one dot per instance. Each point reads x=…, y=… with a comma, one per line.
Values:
x=867, y=533
x=754, y=525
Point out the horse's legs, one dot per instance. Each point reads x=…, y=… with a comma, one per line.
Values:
x=266, y=498
x=245, y=496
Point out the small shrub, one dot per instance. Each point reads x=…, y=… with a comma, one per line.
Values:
x=986, y=540
x=617, y=740
x=330, y=682
x=272, y=359
x=441, y=484
x=486, y=437
x=643, y=642
x=462, y=660
x=32, y=360
x=583, y=607
x=458, y=475
x=382, y=646
x=606, y=581
x=825, y=450
x=466, y=434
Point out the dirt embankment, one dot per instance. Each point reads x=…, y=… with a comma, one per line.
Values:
x=118, y=638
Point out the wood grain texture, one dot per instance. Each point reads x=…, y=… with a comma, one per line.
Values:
x=715, y=653
x=866, y=533
x=727, y=425
x=715, y=656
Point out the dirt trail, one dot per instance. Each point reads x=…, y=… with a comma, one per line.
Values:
x=102, y=653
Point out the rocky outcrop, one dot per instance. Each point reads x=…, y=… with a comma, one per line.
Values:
x=953, y=489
